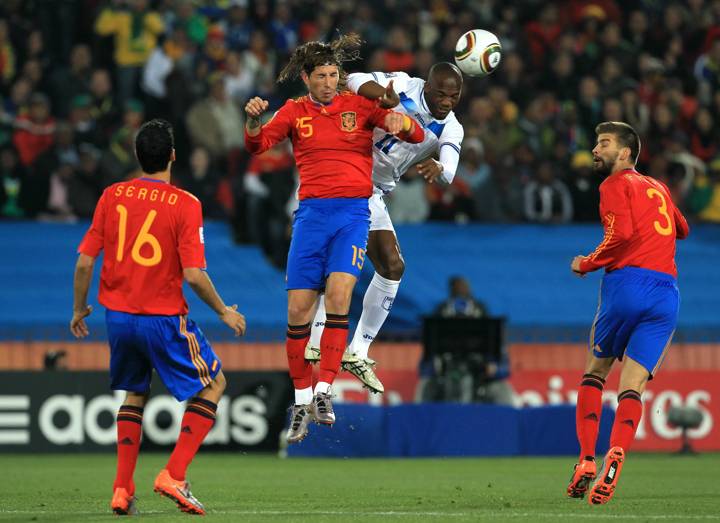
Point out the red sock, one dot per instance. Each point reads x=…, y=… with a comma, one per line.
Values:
x=300, y=369
x=196, y=423
x=332, y=346
x=587, y=414
x=627, y=418
x=129, y=428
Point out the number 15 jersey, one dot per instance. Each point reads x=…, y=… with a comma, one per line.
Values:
x=150, y=231
x=641, y=224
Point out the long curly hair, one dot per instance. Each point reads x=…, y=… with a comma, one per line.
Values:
x=310, y=55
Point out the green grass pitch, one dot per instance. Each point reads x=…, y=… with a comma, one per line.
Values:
x=236, y=487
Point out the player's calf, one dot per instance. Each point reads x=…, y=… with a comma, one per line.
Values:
x=604, y=487
x=583, y=474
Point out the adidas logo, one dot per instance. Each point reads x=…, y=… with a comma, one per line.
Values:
x=126, y=441
x=186, y=429
x=592, y=417
x=629, y=422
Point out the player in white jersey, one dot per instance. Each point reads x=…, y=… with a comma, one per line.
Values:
x=431, y=103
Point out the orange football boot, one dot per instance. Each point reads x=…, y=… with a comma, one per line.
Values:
x=604, y=487
x=178, y=491
x=583, y=474
x=123, y=504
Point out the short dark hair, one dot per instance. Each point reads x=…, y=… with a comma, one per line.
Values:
x=154, y=145
x=625, y=135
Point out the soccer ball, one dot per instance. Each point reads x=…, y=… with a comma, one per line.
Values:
x=478, y=52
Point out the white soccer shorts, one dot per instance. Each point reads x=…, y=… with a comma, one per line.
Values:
x=379, y=215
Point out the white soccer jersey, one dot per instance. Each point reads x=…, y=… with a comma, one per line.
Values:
x=392, y=156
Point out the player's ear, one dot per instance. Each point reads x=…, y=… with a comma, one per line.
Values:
x=305, y=78
x=172, y=155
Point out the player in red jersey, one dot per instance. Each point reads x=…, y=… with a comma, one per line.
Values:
x=331, y=133
x=152, y=235
x=639, y=302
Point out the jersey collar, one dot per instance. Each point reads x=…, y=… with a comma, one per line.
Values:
x=151, y=180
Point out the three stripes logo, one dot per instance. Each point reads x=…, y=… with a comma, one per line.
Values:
x=14, y=420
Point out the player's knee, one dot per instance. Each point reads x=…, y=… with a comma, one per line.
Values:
x=298, y=315
x=395, y=269
x=337, y=302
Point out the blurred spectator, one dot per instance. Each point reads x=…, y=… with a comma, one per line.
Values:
x=12, y=183
x=547, y=199
x=584, y=186
x=260, y=60
x=237, y=26
x=85, y=186
x=284, y=28
x=82, y=121
x=239, y=82
x=398, y=55
x=135, y=30
x=34, y=132
x=215, y=122
x=103, y=109
x=460, y=303
x=407, y=203
x=705, y=195
x=7, y=55
x=268, y=185
x=51, y=167
x=202, y=180
x=500, y=197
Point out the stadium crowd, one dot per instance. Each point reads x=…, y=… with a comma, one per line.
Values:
x=78, y=77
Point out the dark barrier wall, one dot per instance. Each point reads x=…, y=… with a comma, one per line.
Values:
x=67, y=412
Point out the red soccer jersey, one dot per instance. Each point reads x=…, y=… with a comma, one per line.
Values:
x=332, y=143
x=150, y=231
x=641, y=224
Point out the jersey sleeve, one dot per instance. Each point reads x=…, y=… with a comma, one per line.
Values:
x=94, y=239
x=191, y=240
x=617, y=223
x=400, y=80
x=682, y=229
x=449, y=150
x=274, y=131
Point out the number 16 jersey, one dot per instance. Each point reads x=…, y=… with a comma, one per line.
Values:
x=150, y=231
x=641, y=225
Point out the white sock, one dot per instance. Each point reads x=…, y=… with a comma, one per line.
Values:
x=318, y=324
x=322, y=387
x=377, y=303
x=303, y=396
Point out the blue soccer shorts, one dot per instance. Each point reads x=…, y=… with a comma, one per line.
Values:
x=329, y=235
x=636, y=317
x=172, y=345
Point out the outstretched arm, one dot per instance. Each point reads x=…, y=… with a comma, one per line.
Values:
x=201, y=284
x=259, y=138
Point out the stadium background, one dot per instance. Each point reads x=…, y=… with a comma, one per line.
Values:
x=78, y=77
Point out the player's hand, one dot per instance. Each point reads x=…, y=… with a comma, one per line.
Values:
x=77, y=324
x=233, y=319
x=394, y=122
x=575, y=266
x=390, y=98
x=256, y=106
x=430, y=169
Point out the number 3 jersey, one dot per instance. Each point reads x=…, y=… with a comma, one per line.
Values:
x=391, y=157
x=149, y=231
x=641, y=224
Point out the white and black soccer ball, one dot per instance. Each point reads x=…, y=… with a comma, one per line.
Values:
x=478, y=52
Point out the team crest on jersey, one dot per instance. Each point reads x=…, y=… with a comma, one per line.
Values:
x=348, y=121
